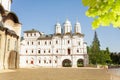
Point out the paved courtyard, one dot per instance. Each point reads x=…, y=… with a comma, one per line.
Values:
x=55, y=74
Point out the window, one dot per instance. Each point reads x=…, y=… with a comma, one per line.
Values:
x=27, y=34
x=49, y=51
x=50, y=42
x=45, y=42
x=56, y=51
x=44, y=61
x=38, y=51
x=38, y=43
x=34, y=34
x=32, y=51
x=44, y=51
x=55, y=61
x=68, y=51
x=26, y=51
x=32, y=43
x=39, y=61
x=68, y=41
x=26, y=61
x=28, y=43
x=79, y=43
x=32, y=62
x=49, y=61
x=0, y=41
x=77, y=51
x=56, y=42
x=31, y=34
x=8, y=47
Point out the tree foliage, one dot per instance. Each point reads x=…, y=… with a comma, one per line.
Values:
x=115, y=57
x=104, y=12
x=97, y=56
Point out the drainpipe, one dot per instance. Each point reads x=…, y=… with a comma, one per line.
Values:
x=5, y=48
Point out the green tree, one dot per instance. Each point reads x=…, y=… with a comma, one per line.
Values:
x=96, y=55
x=94, y=50
x=107, y=56
x=104, y=12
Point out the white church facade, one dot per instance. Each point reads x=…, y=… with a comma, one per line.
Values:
x=64, y=48
x=10, y=32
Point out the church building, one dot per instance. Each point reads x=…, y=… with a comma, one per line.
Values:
x=63, y=48
x=10, y=30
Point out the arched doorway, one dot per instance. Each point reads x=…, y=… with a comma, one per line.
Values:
x=80, y=63
x=12, y=60
x=67, y=63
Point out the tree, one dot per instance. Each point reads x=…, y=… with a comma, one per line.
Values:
x=94, y=50
x=104, y=12
x=96, y=55
x=107, y=56
x=95, y=44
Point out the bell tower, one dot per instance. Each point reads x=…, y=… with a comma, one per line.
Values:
x=6, y=4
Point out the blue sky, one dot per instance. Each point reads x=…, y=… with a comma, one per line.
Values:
x=43, y=14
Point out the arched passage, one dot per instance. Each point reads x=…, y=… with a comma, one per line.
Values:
x=80, y=63
x=67, y=63
x=12, y=60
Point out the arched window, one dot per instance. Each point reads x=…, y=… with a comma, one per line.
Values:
x=56, y=42
x=32, y=43
x=49, y=61
x=27, y=34
x=50, y=42
x=32, y=51
x=44, y=51
x=39, y=51
x=44, y=61
x=39, y=61
x=26, y=51
x=77, y=51
x=56, y=51
x=49, y=51
x=68, y=42
x=69, y=51
x=34, y=34
x=27, y=43
x=31, y=34
x=26, y=61
x=38, y=43
x=45, y=42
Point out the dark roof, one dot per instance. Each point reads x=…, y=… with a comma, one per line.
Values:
x=45, y=37
x=79, y=34
x=8, y=31
x=12, y=16
x=2, y=11
x=31, y=31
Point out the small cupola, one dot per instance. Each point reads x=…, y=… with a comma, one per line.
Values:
x=57, y=28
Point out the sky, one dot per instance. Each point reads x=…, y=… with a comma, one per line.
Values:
x=42, y=15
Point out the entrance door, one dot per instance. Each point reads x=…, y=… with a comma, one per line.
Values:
x=12, y=60
x=67, y=63
x=80, y=63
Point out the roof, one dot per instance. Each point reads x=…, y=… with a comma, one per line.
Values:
x=45, y=37
x=31, y=31
x=12, y=16
x=2, y=11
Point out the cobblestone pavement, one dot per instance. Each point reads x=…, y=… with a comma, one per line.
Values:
x=55, y=74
